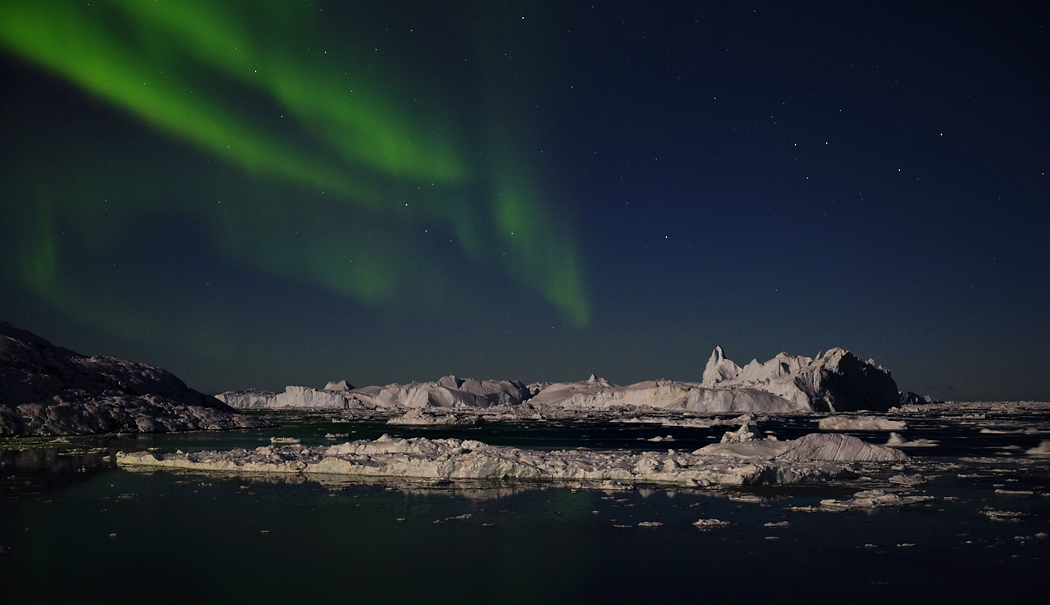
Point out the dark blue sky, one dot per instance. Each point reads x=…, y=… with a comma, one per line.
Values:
x=304, y=192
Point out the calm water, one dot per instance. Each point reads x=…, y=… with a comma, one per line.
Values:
x=83, y=531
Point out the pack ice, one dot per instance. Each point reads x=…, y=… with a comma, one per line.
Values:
x=814, y=457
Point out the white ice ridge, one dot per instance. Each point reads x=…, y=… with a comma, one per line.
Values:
x=447, y=392
x=833, y=381
x=423, y=416
x=815, y=457
x=836, y=381
x=860, y=423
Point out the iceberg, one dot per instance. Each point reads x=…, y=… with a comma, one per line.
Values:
x=252, y=398
x=812, y=458
x=664, y=394
x=423, y=416
x=835, y=381
x=896, y=440
x=1043, y=449
x=860, y=423
x=815, y=446
x=871, y=500
x=447, y=392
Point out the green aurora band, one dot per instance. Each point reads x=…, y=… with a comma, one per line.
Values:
x=313, y=139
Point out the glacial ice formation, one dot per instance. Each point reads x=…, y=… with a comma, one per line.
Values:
x=340, y=385
x=252, y=398
x=860, y=423
x=1043, y=449
x=664, y=394
x=811, y=458
x=708, y=524
x=448, y=392
x=871, y=500
x=896, y=440
x=815, y=446
x=49, y=390
x=836, y=381
x=687, y=421
x=423, y=416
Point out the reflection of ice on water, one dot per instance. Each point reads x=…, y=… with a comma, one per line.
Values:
x=895, y=519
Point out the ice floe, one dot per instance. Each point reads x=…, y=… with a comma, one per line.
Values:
x=815, y=446
x=427, y=416
x=815, y=457
x=1043, y=449
x=860, y=423
x=896, y=440
x=707, y=524
x=872, y=499
x=1007, y=516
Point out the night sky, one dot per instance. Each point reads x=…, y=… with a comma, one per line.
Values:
x=256, y=194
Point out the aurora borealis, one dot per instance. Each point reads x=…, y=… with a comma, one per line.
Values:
x=283, y=192
x=170, y=64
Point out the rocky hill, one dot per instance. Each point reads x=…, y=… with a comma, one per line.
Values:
x=49, y=390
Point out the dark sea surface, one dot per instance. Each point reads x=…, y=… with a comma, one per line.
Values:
x=80, y=530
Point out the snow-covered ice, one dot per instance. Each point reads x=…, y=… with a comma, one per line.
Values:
x=815, y=457
x=872, y=499
x=860, y=423
x=835, y=381
x=815, y=446
x=448, y=392
x=427, y=416
x=1043, y=449
x=896, y=440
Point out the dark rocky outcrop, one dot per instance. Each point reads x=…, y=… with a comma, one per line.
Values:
x=49, y=390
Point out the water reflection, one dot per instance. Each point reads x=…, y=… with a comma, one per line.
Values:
x=40, y=469
x=79, y=526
